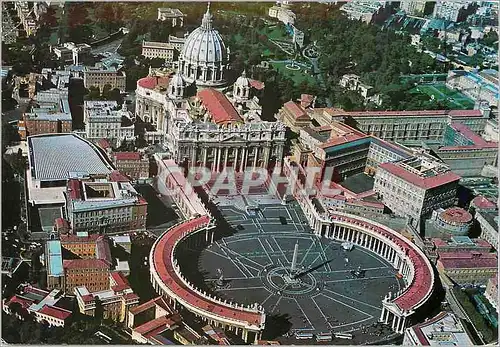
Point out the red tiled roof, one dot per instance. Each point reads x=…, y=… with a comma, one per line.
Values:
x=74, y=189
x=38, y=291
x=88, y=298
x=468, y=113
x=456, y=215
x=103, y=143
x=422, y=284
x=121, y=282
x=342, y=139
x=295, y=109
x=482, y=203
x=166, y=272
x=218, y=106
x=25, y=303
x=103, y=251
x=470, y=260
x=127, y=155
x=61, y=223
x=54, y=312
x=469, y=134
x=422, y=182
x=151, y=82
x=160, y=301
x=130, y=296
x=153, y=324
x=85, y=264
x=423, y=113
x=439, y=242
x=75, y=238
x=490, y=145
x=257, y=84
x=117, y=176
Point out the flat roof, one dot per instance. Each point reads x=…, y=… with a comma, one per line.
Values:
x=53, y=157
x=55, y=264
x=48, y=215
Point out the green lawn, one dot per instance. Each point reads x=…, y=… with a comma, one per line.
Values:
x=297, y=76
x=442, y=92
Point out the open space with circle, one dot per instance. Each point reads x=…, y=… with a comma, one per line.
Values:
x=328, y=289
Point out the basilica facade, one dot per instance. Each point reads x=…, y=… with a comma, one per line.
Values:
x=218, y=127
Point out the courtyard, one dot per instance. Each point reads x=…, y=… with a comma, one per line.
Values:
x=325, y=296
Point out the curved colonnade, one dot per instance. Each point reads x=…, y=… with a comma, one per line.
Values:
x=167, y=279
x=410, y=262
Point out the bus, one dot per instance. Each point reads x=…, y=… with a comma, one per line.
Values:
x=324, y=337
x=345, y=336
x=303, y=335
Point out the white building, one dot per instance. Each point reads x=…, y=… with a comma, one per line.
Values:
x=212, y=129
x=177, y=42
x=353, y=82
x=298, y=37
x=163, y=50
x=489, y=226
x=362, y=10
x=445, y=328
x=415, y=187
x=414, y=7
x=482, y=85
x=454, y=10
x=173, y=15
x=283, y=14
x=103, y=121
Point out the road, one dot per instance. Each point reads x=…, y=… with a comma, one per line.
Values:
x=459, y=311
x=111, y=47
x=318, y=76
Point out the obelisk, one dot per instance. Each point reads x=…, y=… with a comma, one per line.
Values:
x=294, y=259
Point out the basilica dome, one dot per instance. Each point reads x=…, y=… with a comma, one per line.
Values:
x=204, y=58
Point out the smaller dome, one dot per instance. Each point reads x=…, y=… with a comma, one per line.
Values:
x=243, y=80
x=177, y=80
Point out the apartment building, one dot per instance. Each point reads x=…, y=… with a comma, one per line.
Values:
x=100, y=76
x=103, y=120
x=132, y=164
x=163, y=50
x=105, y=206
x=416, y=186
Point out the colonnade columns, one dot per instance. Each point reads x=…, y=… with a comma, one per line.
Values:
x=384, y=316
x=266, y=156
x=235, y=163
x=398, y=324
x=219, y=154
x=244, y=335
x=255, y=157
x=193, y=156
x=226, y=155
x=244, y=153
x=205, y=150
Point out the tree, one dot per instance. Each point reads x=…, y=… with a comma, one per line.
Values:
x=156, y=62
x=490, y=38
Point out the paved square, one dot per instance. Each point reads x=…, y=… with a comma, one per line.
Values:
x=323, y=296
